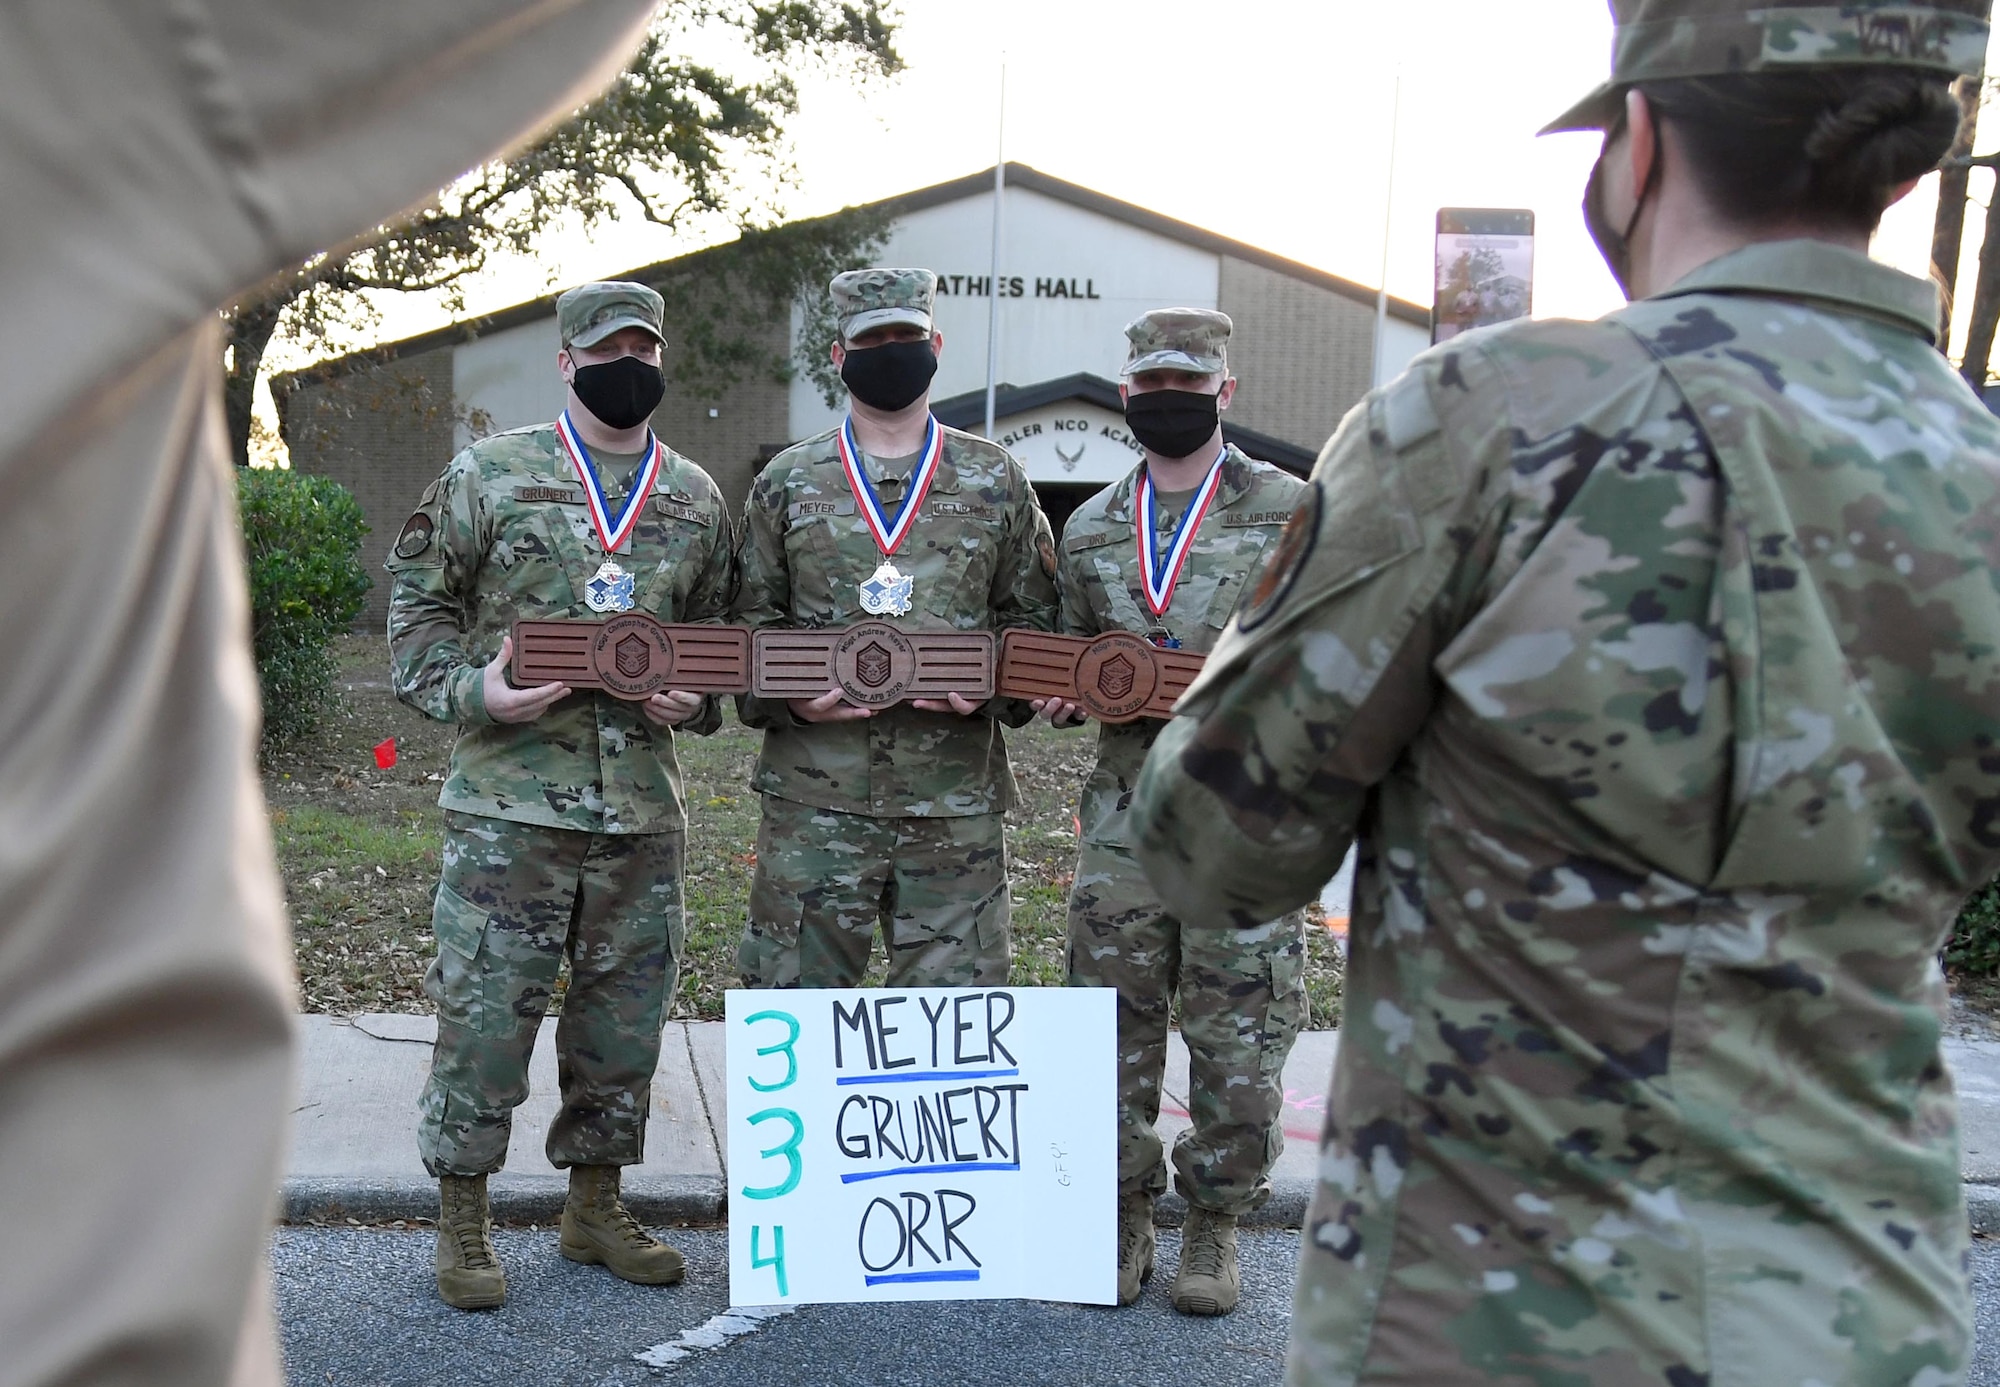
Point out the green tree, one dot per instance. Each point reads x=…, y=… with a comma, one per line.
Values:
x=675, y=141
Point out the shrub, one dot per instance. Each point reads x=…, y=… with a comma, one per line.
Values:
x=302, y=535
x=1974, y=946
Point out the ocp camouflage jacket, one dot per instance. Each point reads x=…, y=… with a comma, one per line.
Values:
x=980, y=558
x=1657, y=661
x=503, y=535
x=1098, y=575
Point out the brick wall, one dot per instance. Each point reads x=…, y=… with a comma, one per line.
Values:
x=383, y=431
x=1302, y=355
x=752, y=417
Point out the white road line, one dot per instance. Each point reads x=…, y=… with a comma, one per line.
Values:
x=716, y=1331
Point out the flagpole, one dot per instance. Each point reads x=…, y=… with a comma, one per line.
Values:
x=1388, y=206
x=993, y=276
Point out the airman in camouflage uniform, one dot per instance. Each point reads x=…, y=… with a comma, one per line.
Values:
x=1242, y=992
x=1657, y=662
x=565, y=819
x=891, y=819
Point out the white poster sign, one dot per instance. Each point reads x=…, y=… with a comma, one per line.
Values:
x=922, y=1144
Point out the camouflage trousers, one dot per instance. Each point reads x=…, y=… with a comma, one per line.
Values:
x=936, y=888
x=1242, y=1000
x=515, y=901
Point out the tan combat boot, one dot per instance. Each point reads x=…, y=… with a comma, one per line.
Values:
x=1135, y=1245
x=598, y=1228
x=1208, y=1282
x=468, y=1270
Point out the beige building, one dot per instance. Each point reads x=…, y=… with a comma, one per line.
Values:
x=1075, y=266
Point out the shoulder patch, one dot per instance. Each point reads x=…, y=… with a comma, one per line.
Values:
x=1281, y=569
x=1407, y=416
x=416, y=537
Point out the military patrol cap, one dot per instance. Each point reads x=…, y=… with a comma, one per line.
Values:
x=1660, y=40
x=591, y=312
x=1178, y=339
x=870, y=298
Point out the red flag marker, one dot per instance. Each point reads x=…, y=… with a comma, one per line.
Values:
x=385, y=754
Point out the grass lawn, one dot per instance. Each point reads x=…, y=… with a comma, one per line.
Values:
x=359, y=850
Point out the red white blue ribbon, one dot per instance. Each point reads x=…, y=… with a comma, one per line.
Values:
x=1161, y=573
x=889, y=534
x=612, y=532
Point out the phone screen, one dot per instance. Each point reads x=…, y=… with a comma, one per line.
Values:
x=1485, y=268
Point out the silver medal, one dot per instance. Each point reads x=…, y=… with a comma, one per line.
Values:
x=612, y=590
x=887, y=593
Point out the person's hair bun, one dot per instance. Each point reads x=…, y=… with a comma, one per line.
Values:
x=1822, y=146
x=1884, y=134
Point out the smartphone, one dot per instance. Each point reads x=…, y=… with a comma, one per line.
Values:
x=1485, y=268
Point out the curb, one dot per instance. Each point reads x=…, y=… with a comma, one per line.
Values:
x=1982, y=1208
x=700, y=1201
x=678, y=1200
x=690, y=1199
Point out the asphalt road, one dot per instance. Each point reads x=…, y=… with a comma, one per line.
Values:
x=358, y=1309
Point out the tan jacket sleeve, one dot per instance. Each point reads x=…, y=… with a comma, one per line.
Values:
x=156, y=159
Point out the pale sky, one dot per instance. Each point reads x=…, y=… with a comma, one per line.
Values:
x=1264, y=120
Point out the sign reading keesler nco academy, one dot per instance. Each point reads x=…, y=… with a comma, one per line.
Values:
x=923, y=1144
x=1071, y=442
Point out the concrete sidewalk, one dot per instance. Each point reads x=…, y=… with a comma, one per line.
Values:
x=354, y=1142
x=354, y=1153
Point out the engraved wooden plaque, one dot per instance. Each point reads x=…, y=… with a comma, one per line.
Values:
x=1115, y=677
x=632, y=656
x=874, y=664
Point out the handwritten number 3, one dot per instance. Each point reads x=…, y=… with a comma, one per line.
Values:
x=788, y=1148
x=784, y=1046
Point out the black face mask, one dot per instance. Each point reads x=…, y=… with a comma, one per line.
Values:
x=890, y=377
x=1171, y=423
x=1615, y=246
x=622, y=393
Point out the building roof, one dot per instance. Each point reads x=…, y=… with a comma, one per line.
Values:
x=971, y=185
x=968, y=411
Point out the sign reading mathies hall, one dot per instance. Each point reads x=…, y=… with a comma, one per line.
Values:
x=922, y=1144
x=1017, y=287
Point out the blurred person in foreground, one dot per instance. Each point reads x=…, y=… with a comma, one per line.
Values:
x=1656, y=661
x=158, y=159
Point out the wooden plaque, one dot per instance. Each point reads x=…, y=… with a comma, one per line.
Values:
x=632, y=656
x=1116, y=677
x=872, y=663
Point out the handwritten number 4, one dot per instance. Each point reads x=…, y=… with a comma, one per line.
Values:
x=782, y=1047
x=788, y=1148
x=776, y=1261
